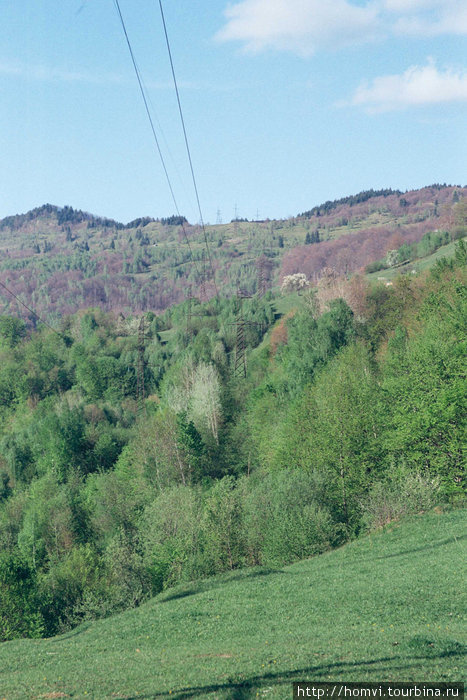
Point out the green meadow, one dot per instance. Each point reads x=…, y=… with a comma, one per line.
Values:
x=418, y=265
x=386, y=607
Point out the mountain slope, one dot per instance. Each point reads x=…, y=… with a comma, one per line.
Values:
x=59, y=260
x=361, y=232
x=384, y=607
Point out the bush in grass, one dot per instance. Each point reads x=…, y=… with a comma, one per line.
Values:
x=19, y=600
x=127, y=578
x=402, y=493
x=283, y=520
x=169, y=533
x=65, y=586
x=222, y=533
x=187, y=535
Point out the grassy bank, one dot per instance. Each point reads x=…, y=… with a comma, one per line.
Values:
x=387, y=607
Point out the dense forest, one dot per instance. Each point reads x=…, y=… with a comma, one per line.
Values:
x=351, y=413
x=351, y=201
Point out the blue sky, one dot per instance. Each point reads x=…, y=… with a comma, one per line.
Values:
x=287, y=103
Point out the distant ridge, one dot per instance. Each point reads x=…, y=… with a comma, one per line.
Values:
x=67, y=215
x=60, y=259
x=364, y=196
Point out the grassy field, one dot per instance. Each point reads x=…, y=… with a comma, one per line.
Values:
x=387, y=607
x=420, y=264
x=287, y=302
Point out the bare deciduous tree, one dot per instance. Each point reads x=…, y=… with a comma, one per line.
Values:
x=205, y=405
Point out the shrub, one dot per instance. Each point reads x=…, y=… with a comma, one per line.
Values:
x=283, y=521
x=127, y=577
x=65, y=586
x=19, y=600
x=405, y=494
x=169, y=533
x=222, y=527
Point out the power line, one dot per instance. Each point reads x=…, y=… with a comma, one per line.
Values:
x=30, y=310
x=151, y=122
x=163, y=138
x=143, y=95
x=187, y=145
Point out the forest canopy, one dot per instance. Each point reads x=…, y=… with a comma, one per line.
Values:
x=351, y=413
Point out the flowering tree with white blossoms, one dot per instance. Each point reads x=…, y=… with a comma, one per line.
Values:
x=294, y=283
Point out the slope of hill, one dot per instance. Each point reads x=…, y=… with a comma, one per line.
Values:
x=417, y=265
x=373, y=227
x=59, y=260
x=386, y=607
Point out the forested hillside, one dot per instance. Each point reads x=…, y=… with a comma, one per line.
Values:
x=351, y=414
x=60, y=260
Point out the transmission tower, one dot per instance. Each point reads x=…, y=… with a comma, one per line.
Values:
x=240, y=325
x=261, y=287
x=140, y=391
x=236, y=220
x=189, y=313
x=202, y=288
x=219, y=217
x=240, y=355
x=263, y=266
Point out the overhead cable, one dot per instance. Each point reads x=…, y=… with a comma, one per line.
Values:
x=187, y=144
x=151, y=122
x=29, y=309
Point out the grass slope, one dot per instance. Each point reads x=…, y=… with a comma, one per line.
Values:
x=386, y=607
x=419, y=264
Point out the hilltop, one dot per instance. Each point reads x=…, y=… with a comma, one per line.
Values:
x=382, y=608
x=60, y=260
